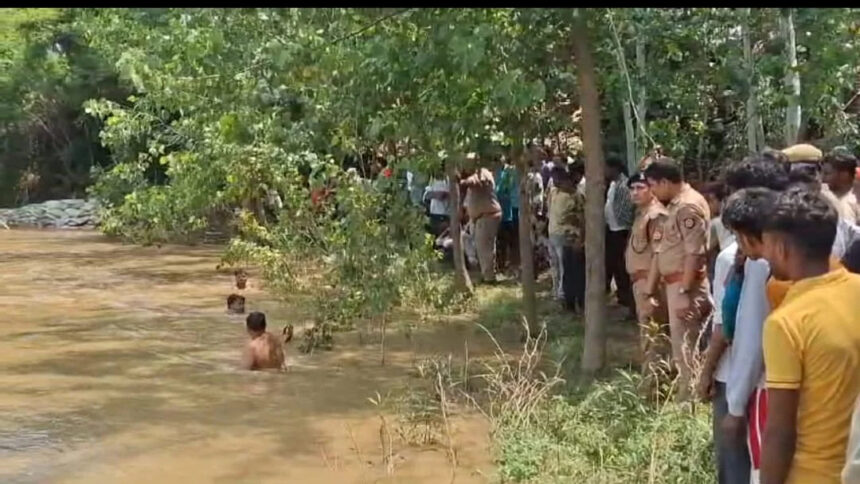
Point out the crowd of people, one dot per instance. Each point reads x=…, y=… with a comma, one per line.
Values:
x=752, y=278
x=781, y=363
x=555, y=191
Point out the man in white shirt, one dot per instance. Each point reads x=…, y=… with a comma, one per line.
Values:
x=416, y=184
x=744, y=215
x=546, y=165
x=619, y=211
x=837, y=171
x=733, y=462
x=714, y=193
x=739, y=366
x=437, y=193
x=720, y=236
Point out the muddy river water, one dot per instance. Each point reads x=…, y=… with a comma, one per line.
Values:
x=119, y=364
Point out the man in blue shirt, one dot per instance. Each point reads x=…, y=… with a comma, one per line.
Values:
x=507, y=191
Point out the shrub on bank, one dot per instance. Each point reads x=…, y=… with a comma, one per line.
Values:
x=607, y=433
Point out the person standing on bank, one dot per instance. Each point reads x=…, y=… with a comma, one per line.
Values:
x=486, y=215
x=680, y=262
x=837, y=171
x=619, y=211
x=566, y=235
x=649, y=215
x=721, y=237
x=508, y=194
x=805, y=170
x=436, y=193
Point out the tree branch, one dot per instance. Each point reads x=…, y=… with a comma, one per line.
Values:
x=262, y=62
x=370, y=25
x=623, y=62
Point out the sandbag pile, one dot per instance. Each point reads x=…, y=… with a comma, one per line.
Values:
x=70, y=213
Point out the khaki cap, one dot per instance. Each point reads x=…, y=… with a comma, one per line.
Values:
x=803, y=153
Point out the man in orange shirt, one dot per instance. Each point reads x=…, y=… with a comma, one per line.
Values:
x=811, y=345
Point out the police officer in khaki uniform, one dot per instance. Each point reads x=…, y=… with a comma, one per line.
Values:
x=680, y=262
x=805, y=167
x=804, y=163
x=638, y=258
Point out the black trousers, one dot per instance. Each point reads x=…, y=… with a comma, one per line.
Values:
x=616, y=244
x=573, y=282
x=436, y=224
x=508, y=245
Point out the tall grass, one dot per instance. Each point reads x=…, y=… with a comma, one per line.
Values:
x=621, y=429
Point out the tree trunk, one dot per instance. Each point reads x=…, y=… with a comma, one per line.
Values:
x=462, y=282
x=792, y=79
x=260, y=211
x=642, y=101
x=700, y=170
x=700, y=151
x=594, y=354
x=626, y=106
x=527, y=272
x=629, y=135
x=382, y=328
x=753, y=121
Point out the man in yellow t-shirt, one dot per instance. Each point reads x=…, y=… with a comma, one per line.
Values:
x=811, y=346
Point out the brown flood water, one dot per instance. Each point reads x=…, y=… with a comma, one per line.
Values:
x=119, y=364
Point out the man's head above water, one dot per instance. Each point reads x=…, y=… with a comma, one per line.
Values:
x=255, y=323
x=241, y=278
x=235, y=304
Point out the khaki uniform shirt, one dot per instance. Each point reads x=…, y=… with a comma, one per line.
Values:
x=639, y=246
x=684, y=231
x=481, y=197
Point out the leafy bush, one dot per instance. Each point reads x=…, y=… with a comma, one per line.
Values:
x=607, y=434
x=366, y=243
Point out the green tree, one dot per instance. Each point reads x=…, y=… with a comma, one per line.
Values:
x=49, y=146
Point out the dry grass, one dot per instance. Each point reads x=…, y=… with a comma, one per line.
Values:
x=514, y=389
